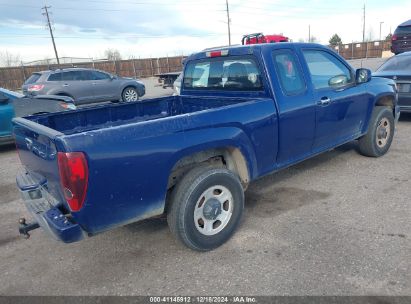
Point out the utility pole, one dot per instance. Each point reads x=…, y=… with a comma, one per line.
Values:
x=381, y=22
x=309, y=33
x=363, y=24
x=228, y=22
x=46, y=13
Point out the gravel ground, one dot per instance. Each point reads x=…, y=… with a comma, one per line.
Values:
x=337, y=224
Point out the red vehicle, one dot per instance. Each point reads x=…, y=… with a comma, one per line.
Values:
x=258, y=38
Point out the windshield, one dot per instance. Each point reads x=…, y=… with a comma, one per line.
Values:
x=397, y=63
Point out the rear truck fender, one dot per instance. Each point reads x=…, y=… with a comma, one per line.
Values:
x=238, y=159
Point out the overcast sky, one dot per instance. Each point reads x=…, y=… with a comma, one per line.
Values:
x=144, y=28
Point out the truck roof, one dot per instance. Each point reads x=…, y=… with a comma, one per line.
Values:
x=251, y=48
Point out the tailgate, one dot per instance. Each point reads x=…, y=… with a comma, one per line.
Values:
x=36, y=145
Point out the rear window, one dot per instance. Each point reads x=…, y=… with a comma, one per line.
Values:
x=33, y=78
x=223, y=73
x=397, y=63
x=403, y=30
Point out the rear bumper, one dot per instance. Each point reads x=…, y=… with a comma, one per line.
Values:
x=44, y=208
x=5, y=140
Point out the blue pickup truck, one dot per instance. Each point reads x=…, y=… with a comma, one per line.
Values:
x=243, y=112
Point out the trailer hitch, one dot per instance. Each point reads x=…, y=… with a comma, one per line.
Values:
x=24, y=228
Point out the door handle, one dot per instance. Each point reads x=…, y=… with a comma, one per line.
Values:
x=325, y=101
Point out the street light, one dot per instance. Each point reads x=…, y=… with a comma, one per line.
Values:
x=381, y=22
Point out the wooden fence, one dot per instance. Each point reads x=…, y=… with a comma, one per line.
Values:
x=12, y=78
x=373, y=49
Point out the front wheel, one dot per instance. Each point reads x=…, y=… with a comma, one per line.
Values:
x=206, y=208
x=380, y=133
x=129, y=94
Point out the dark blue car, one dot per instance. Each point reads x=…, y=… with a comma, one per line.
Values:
x=243, y=112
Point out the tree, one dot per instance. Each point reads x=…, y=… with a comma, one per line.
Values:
x=388, y=38
x=112, y=54
x=335, y=40
x=8, y=60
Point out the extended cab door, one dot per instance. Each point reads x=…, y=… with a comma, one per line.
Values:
x=295, y=105
x=341, y=105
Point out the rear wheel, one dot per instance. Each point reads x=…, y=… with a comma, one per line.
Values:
x=129, y=94
x=380, y=133
x=206, y=207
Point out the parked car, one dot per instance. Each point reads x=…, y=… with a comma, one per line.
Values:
x=17, y=105
x=84, y=85
x=192, y=156
x=398, y=68
x=401, y=39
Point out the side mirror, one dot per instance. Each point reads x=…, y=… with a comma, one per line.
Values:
x=112, y=77
x=338, y=81
x=4, y=99
x=362, y=75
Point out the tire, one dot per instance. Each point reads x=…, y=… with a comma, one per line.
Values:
x=380, y=133
x=129, y=94
x=203, y=223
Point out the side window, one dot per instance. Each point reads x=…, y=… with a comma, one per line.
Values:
x=324, y=67
x=55, y=77
x=67, y=76
x=289, y=72
x=100, y=76
x=88, y=75
x=72, y=76
x=223, y=73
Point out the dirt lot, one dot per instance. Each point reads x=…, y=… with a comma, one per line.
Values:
x=338, y=224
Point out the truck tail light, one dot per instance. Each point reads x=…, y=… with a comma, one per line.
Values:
x=73, y=171
x=217, y=53
x=35, y=87
x=394, y=37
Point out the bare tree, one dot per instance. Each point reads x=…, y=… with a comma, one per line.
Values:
x=8, y=59
x=112, y=54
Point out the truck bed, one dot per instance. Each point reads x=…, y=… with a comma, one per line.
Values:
x=112, y=115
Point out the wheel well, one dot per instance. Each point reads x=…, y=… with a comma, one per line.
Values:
x=229, y=157
x=386, y=101
x=129, y=86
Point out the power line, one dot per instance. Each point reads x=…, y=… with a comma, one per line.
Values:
x=46, y=13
